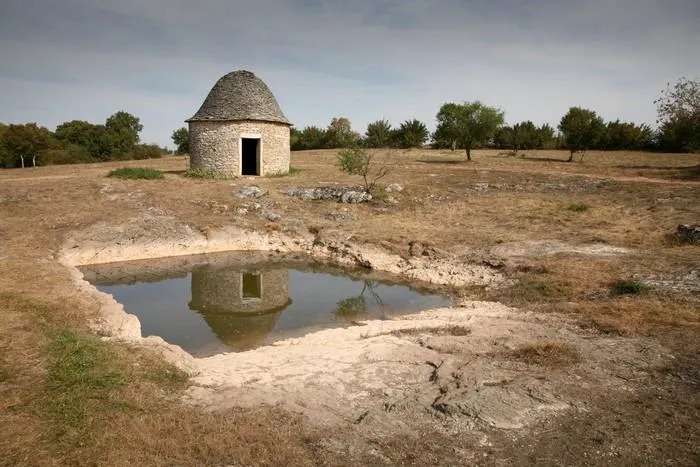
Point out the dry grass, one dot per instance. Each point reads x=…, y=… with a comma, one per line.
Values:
x=452, y=330
x=546, y=353
x=68, y=399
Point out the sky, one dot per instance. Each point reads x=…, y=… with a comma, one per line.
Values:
x=361, y=59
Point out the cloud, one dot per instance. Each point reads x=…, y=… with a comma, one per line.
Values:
x=322, y=58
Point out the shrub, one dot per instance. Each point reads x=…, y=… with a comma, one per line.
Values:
x=147, y=151
x=628, y=287
x=357, y=161
x=133, y=173
x=578, y=207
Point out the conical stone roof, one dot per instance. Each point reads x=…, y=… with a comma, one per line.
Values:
x=240, y=95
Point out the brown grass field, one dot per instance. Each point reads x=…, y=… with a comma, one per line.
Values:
x=69, y=398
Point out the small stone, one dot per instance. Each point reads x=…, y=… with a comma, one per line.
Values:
x=242, y=211
x=250, y=192
x=689, y=233
x=271, y=216
x=355, y=197
x=394, y=188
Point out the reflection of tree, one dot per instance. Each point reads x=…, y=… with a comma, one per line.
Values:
x=352, y=308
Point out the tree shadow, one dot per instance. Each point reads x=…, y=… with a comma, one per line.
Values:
x=443, y=161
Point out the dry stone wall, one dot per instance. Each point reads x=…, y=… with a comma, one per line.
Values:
x=216, y=146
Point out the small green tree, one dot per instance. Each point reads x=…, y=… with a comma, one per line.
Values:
x=181, y=139
x=411, y=134
x=26, y=141
x=340, y=134
x=124, y=130
x=358, y=161
x=582, y=129
x=311, y=137
x=678, y=110
x=466, y=125
x=378, y=134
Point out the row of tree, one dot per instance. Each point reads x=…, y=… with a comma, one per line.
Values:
x=473, y=124
x=75, y=141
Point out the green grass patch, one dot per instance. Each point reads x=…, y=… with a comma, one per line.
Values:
x=136, y=173
x=206, y=174
x=628, y=287
x=4, y=375
x=578, y=207
x=80, y=377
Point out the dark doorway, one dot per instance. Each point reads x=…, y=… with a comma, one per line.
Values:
x=250, y=154
x=251, y=286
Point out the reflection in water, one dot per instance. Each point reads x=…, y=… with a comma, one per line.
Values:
x=208, y=305
x=241, y=307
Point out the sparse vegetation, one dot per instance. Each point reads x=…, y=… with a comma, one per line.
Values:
x=358, y=161
x=628, y=287
x=453, y=330
x=546, y=353
x=578, y=207
x=136, y=173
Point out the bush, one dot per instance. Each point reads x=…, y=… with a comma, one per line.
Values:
x=628, y=287
x=357, y=161
x=134, y=173
x=147, y=151
x=578, y=207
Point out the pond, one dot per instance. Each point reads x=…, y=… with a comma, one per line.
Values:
x=209, y=304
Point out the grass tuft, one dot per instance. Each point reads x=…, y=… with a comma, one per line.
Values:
x=628, y=287
x=136, y=173
x=79, y=376
x=4, y=375
x=578, y=207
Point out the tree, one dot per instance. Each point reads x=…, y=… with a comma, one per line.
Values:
x=357, y=161
x=467, y=125
x=411, y=134
x=379, y=134
x=124, y=130
x=678, y=114
x=545, y=137
x=311, y=137
x=77, y=132
x=582, y=129
x=25, y=141
x=181, y=139
x=525, y=135
x=626, y=135
x=340, y=134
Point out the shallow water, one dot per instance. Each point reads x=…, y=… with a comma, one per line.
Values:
x=236, y=302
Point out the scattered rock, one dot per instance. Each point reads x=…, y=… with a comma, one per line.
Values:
x=271, y=216
x=494, y=263
x=689, y=233
x=241, y=211
x=355, y=197
x=394, y=188
x=416, y=248
x=391, y=200
x=481, y=186
x=349, y=195
x=336, y=216
x=250, y=192
x=601, y=294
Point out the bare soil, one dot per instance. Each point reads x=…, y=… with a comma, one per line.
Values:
x=539, y=364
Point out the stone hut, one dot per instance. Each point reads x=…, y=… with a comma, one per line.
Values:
x=240, y=129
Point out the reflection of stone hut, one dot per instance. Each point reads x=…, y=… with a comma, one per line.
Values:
x=240, y=129
x=241, y=307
